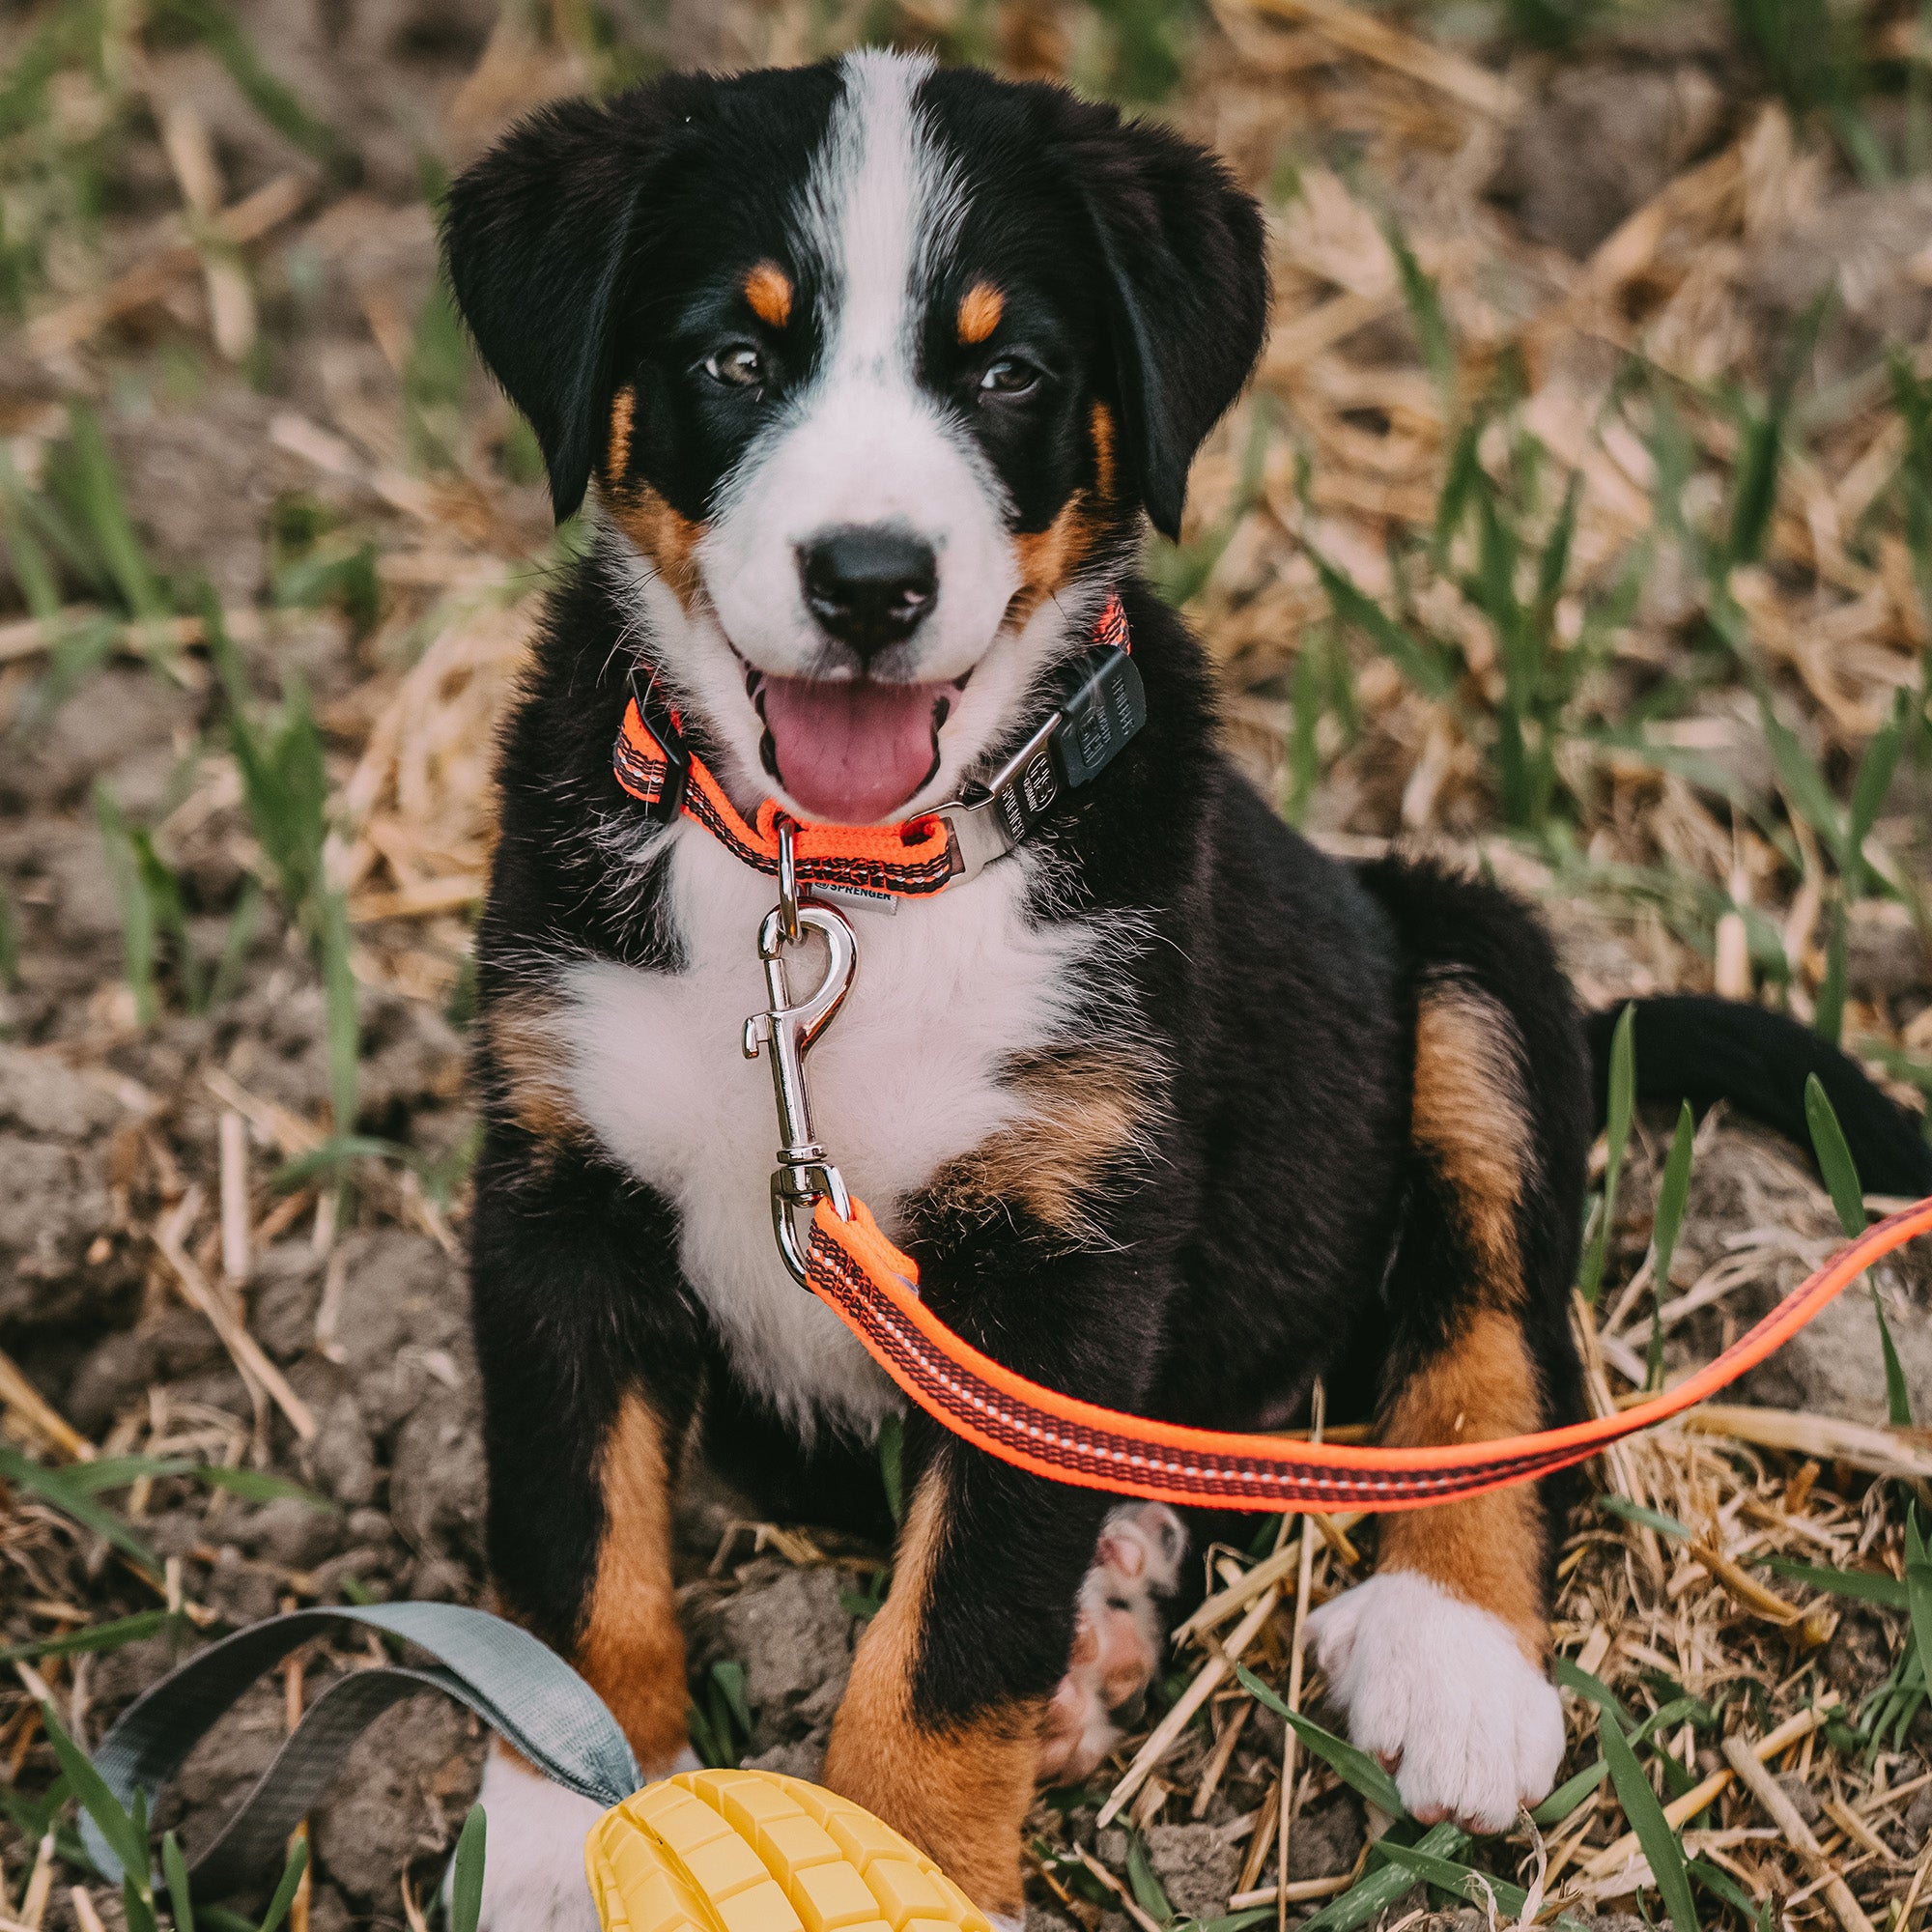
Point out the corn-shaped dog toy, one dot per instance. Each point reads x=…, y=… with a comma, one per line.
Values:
x=753, y=1851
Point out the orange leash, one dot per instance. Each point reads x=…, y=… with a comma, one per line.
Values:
x=872, y=1288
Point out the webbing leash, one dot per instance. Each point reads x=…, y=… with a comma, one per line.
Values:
x=527, y=1693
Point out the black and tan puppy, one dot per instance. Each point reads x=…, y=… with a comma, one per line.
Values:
x=871, y=371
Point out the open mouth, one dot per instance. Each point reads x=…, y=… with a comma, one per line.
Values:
x=850, y=751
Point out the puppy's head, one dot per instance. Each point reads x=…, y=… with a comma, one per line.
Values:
x=875, y=366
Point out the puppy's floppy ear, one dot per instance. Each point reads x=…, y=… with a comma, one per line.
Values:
x=540, y=236
x=1188, y=301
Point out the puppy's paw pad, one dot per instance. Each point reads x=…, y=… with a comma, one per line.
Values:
x=1117, y=1636
x=1442, y=1693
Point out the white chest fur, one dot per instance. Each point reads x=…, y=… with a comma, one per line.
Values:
x=905, y=1078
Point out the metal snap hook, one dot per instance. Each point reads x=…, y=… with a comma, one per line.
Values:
x=803, y=1177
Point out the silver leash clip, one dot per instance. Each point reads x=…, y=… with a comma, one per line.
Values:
x=803, y=1177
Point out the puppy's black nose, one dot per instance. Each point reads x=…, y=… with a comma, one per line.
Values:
x=868, y=585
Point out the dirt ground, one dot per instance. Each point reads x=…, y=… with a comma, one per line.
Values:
x=367, y=515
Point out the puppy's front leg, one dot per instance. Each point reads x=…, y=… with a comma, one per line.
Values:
x=591, y=1372
x=940, y=1730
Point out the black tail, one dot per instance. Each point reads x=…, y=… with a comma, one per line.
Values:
x=1696, y=1048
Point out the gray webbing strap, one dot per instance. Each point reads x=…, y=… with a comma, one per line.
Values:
x=521, y=1688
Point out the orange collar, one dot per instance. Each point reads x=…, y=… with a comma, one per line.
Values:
x=919, y=856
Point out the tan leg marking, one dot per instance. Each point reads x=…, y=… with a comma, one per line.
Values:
x=1488, y=1550
x=960, y=1793
x=632, y=1649
x=979, y=311
x=1085, y=1112
x=1470, y=1116
x=667, y=537
x=530, y=1067
x=769, y=291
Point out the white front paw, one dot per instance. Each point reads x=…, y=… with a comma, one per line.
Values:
x=1442, y=1693
x=534, y=1877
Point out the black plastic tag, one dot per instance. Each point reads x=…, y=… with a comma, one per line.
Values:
x=1103, y=708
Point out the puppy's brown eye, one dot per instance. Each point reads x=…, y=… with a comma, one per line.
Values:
x=738, y=367
x=1009, y=375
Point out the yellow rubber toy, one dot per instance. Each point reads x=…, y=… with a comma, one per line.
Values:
x=753, y=1851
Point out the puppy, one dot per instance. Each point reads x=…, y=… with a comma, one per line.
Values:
x=870, y=372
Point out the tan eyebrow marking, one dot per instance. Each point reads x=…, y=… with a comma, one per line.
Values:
x=980, y=312
x=768, y=289
x=621, y=409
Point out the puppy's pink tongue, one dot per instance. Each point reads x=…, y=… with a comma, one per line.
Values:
x=855, y=752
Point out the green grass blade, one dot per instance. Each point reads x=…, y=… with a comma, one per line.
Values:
x=1149, y=1892
x=1660, y=1845
x=1377, y=1891
x=1425, y=666
x=174, y=1868
x=1616, y=1138
x=137, y=908
x=1571, y=1676
x=126, y=1836
x=97, y=493
x=1868, y=1586
x=1897, y=1395
x=261, y=1486
x=466, y=1890
x=1672, y=1192
x=1834, y=1158
x=1869, y=792
x=1827, y=1018
x=10, y=940
x=892, y=1454
x=285, y=1891
x=98, y=1637
x=1353, y=1767
x=52, y=1486
x=1425, y=312
x=1799, y=777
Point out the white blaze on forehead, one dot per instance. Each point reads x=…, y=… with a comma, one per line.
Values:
x=862, y=443
x=882, y=203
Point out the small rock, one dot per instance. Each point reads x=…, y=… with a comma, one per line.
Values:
x=802, y=1758
x=112, y=1375
x=1328, y=1837
x=794, y=1639
x=1804, y=1801
x=437, y=1479
x=1602, y=140
x=343, y=1454
x=290, y=1532
x=1918, y=1820
x=44, y=1096
x=1197, y=1867
x=383, y=1814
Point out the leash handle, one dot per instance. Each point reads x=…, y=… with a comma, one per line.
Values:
x=527, y=1694
x=874, y=1288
